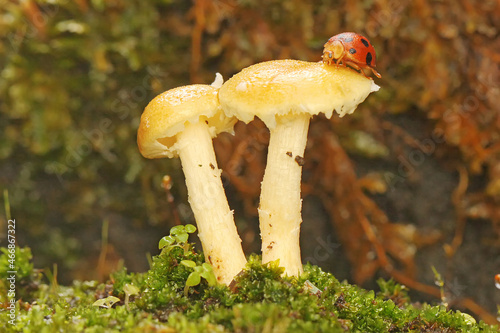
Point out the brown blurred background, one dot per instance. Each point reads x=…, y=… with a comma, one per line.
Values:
x=410, y=181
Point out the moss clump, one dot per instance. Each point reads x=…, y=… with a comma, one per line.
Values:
x=258, y=300
x=27, y=279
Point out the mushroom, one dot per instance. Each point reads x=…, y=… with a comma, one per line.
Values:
x=285, y=94
x=182, y=122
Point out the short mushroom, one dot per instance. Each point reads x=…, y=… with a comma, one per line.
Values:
x=285, y=94
x=182, y=122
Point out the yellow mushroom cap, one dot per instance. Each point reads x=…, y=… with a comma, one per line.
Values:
x=283, y=87
x=166, y=116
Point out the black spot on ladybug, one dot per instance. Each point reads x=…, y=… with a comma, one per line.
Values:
x=352, y=50
x=365, y=42
x=299, y=160
x=369, y=59
x=212, y=166
x=348, y=39
x=289, y=153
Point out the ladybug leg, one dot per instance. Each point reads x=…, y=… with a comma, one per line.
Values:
x=355, y=66
x=377, y=74
x=339, y=60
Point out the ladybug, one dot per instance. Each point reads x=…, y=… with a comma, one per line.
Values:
x=350, y=48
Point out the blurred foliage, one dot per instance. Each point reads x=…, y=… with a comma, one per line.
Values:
x=75, y=77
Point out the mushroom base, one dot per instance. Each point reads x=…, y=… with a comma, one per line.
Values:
x=217, y=231
x=280, y=201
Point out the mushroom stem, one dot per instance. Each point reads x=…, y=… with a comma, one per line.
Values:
x=217, y=231
x=280, y=201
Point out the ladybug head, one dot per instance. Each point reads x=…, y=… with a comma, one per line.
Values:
x=333, y=51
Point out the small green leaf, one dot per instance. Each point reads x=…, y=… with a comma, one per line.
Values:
x=207, y=267
x=99, y=302
x=193, y=279
x=208, y=274
x=166, y=241
x=130, y=289
x=188, y=263
x=190, y=228
x=106, y=302
x=178, y=229
x=469, y=320
x=182, y=238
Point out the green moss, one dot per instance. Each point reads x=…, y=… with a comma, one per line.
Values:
x=258, y=300
x=27, y=278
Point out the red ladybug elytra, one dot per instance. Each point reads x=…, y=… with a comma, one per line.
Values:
x=350, y=48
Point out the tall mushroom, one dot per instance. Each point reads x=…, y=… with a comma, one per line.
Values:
x=182, y=122
x=285, y=94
